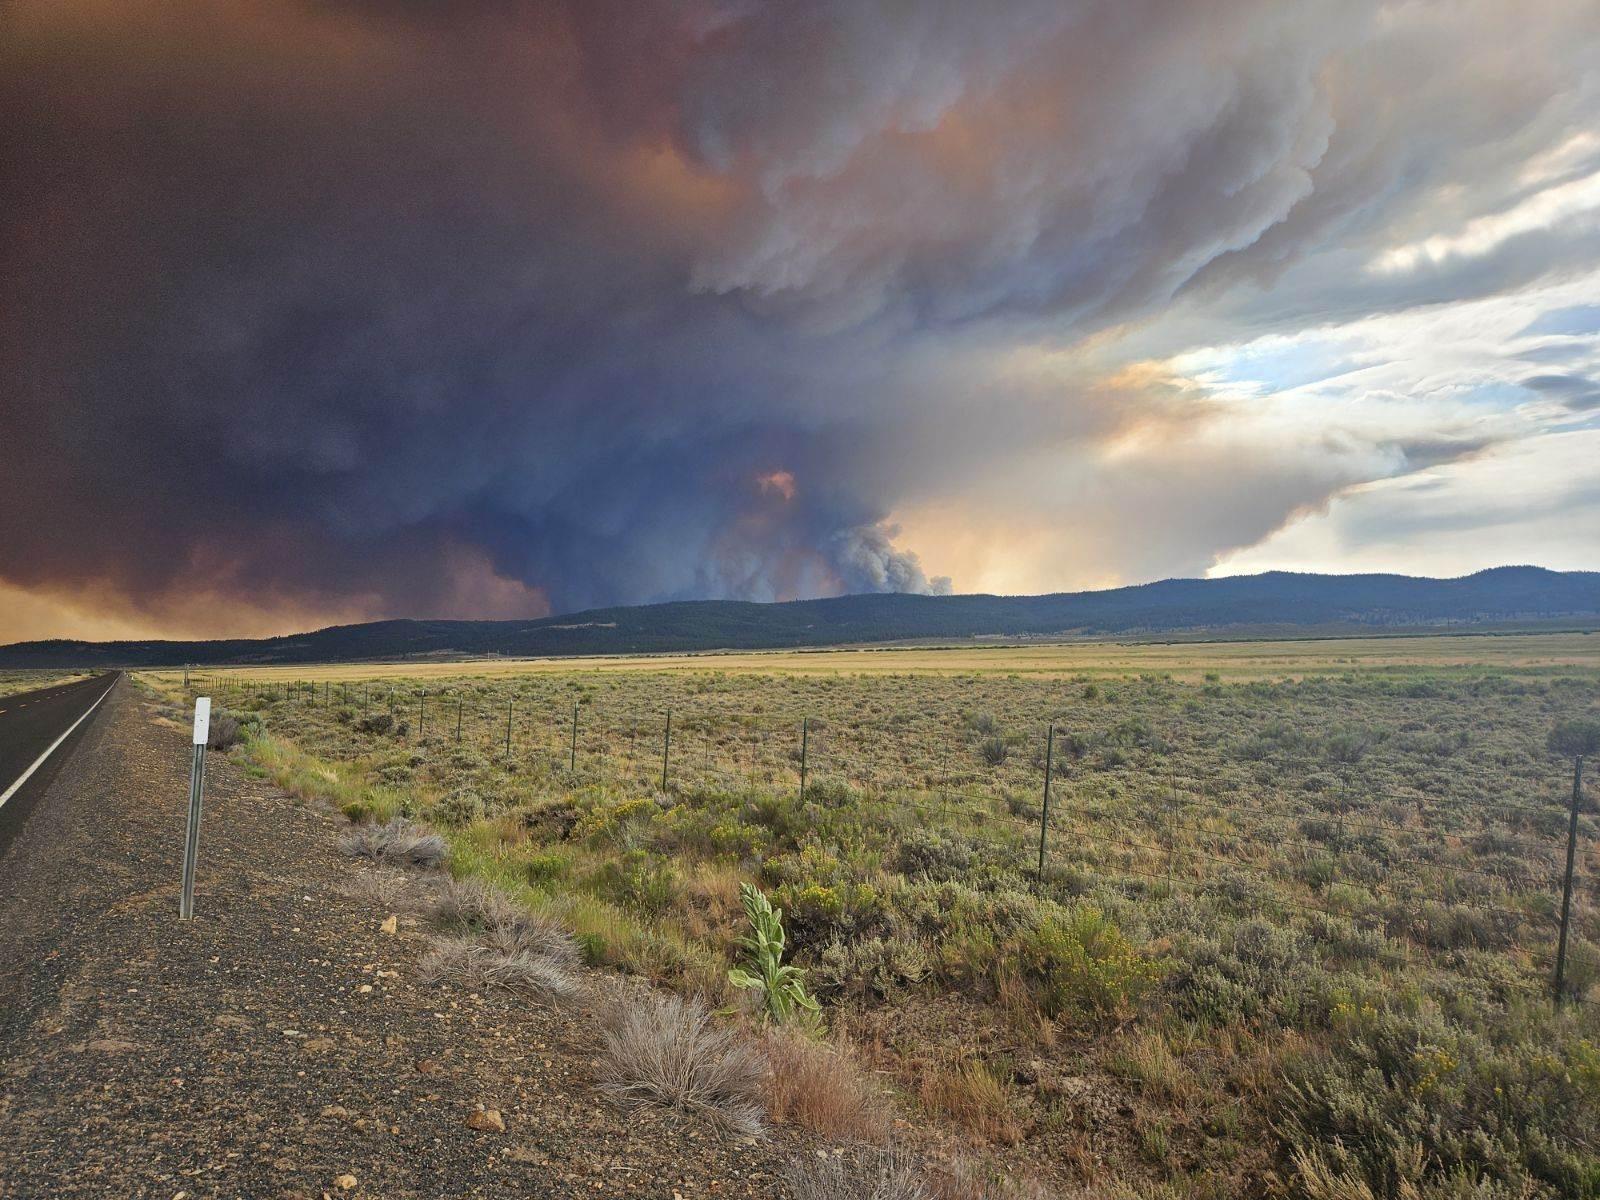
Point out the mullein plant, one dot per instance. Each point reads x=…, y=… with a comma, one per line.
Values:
x=782, y=987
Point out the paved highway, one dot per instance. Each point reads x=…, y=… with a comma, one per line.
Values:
x=36, y=736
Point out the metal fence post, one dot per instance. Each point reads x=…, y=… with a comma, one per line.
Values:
x=458, y=718
x=572, y=761
x=1566, y=885
x=509, y=704
x=666, y=749
x=197, y=784
x=422, y=714
x=805, y=739
x=1044, y=811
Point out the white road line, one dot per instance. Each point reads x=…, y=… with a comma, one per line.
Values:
x=39, y=762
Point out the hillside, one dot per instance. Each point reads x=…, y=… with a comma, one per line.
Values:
x=1282, y=601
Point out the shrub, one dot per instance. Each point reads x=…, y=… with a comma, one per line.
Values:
x=994, y=751
x=225, y=732
x=1082, y=963
x=929, y=853
x=875, y=967
x=461, y=807
x=638, y=880
x=378, y=723
x=664, y=1050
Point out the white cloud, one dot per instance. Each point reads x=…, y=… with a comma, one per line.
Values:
x=1533, y=501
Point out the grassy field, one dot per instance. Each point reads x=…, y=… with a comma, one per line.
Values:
x=1293, y=934
x=1232, y=660
x=12, y=682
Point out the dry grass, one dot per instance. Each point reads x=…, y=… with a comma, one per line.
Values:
x=1232, y=659
x=666, y=1051
x=966, y=1179
x=465, y=959
x=469, y=907
x=493, y=943
x=882, y=1176
x=380, y=887
x=397, y=841
x=971, y=1095
x=820, y=1088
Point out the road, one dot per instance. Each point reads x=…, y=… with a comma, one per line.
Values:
x=37, y=733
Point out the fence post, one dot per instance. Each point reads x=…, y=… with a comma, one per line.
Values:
x=805, y=739
x=1172, y=808
x=422, y=714
x=666, y=749
x=1566, y=885
x=509, y=703
x=197, y=784
x=1044, y=811
x=572, y=761
x=458, y=718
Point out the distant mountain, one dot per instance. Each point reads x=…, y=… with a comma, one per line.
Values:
x=1279, y=602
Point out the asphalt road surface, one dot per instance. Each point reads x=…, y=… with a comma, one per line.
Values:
x=38, y=730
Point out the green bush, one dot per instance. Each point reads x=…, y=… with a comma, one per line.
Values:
x=1081, y=964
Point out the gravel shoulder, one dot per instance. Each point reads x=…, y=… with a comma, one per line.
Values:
x=280, y=1045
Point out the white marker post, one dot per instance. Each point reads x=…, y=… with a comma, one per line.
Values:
x=197, y=786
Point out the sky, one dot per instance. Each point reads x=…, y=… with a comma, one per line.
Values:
x=329, y=310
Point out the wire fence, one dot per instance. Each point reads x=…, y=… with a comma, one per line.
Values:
x=1451, y=881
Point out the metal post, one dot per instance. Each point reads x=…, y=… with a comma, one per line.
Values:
x=1172, y=808
x=458, y=718
x=572, y=762
x=1044, y=811
x=509, y=703
x=666, y=749
x=1566, y=885
x=197, y=785
x=805, y=739
x=422, y=714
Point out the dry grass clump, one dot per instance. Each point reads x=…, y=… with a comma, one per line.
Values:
x=886, y=1175
x=665, y=1050
x=974, y=1097
x=472, y=906
x=965, y=1179
x=817, y=1087
x=396, y=841
x=378, y=886
x=492, y=942
x=465, y=959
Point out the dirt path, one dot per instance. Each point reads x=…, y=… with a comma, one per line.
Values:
x=273, y=1046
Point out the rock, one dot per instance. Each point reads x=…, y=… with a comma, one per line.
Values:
x=317, y=1045
x=344, y=1182
x=427, y=1066
x=392, y=925
x=364, y=989
x=486, y=1120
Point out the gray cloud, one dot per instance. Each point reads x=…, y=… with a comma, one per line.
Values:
x=486, y=306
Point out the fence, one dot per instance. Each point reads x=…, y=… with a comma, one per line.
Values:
x=1449, y=879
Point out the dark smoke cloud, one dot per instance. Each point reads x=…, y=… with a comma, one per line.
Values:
x=488, y=308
